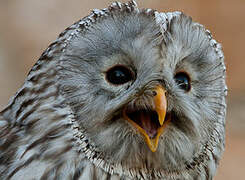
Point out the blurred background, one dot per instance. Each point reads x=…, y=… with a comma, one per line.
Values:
x=27, y=27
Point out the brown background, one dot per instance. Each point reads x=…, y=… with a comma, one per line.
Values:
x=28, y=26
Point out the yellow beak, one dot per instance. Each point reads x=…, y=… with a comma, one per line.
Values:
x=160, y=103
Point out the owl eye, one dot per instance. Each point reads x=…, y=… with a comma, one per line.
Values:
x=119, y=74
x=183, y=81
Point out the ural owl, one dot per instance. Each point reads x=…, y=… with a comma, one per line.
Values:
x=124, y=93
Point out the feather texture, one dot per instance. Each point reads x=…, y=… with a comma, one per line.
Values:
x=66, y=120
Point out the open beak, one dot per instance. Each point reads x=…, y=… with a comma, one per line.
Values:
x=151, y=124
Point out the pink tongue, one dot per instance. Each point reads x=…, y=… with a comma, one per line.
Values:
x=148, y=125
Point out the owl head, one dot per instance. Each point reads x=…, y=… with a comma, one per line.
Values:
x=146, y=90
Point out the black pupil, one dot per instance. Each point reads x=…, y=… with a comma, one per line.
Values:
x=119, y=75
x=183, y=81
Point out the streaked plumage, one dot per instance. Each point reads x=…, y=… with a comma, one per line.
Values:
x=68, y=122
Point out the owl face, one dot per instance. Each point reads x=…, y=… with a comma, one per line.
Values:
x=146, y=89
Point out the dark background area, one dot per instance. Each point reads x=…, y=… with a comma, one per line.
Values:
x=28, y=26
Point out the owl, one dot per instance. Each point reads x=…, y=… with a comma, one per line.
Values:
x=124, y=93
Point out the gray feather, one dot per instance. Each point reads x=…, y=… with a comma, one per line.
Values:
x=66, y=121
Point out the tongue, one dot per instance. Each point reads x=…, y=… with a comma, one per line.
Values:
x=147, y=122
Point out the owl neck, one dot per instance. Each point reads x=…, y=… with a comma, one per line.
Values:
x=97, y=160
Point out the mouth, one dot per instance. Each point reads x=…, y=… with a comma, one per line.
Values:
x=150, y=122
x=147, y=120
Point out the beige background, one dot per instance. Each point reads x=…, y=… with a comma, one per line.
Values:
x=28, y=26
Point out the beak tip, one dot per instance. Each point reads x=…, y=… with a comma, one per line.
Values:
x=161, y=116
x=161, y=121
x=153, y=148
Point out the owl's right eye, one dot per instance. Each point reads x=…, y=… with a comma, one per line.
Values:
x=119, y=74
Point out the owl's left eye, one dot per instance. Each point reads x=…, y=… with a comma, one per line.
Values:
x=119, y=74
x=183, y=81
